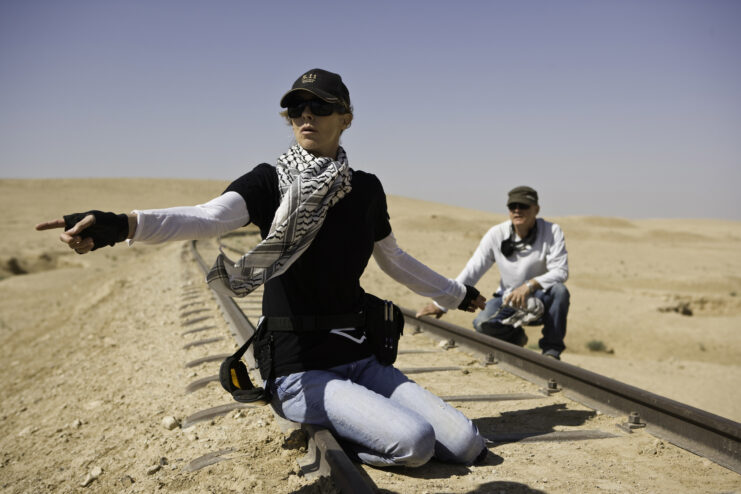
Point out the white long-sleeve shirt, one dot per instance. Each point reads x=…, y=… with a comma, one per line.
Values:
x=545, y=260
x=229, y=212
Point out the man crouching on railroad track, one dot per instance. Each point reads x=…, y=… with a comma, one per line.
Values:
x=533, y=264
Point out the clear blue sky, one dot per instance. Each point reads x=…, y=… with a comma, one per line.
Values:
x=626, y=108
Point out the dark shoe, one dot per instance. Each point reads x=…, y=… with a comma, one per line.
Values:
x=510, y=334
x=520, y=339
x=482, y=456
x=552, y=354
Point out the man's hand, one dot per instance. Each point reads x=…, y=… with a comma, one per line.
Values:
x=430, y=310
x=72, y=237
x=517, y=298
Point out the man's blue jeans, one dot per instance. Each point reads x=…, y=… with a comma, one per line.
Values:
x=380, y=415
x=556, y=301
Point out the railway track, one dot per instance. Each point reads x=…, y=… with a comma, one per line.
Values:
x=573, y=406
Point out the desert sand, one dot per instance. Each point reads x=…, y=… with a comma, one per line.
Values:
x=92, y=354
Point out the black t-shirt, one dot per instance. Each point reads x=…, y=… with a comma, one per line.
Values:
x=325, y=280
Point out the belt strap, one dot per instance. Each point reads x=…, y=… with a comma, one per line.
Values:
x=316, y=323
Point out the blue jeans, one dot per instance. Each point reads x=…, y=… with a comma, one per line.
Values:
x=556, y=301
x=381, y=416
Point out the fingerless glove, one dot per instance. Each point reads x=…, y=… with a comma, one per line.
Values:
x=471, y=294
x=108, y=228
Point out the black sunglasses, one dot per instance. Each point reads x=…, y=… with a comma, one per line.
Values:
x=318, y=107
x=518, y=205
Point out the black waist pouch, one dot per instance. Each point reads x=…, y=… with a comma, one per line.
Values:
x=384, y=325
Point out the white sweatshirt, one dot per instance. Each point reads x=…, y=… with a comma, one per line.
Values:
x=546, y=260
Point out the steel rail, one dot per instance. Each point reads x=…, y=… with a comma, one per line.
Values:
x=328, y=456
x=708, y=435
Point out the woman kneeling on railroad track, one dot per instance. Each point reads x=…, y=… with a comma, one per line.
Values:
x=320, y=221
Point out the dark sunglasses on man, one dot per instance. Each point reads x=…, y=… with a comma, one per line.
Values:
x=518, y=205
x=318, y=107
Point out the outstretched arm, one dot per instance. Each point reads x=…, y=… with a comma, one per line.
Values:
x=475, y=268
x=421, y=279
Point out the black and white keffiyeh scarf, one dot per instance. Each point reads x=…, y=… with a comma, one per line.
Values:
x=309, y=186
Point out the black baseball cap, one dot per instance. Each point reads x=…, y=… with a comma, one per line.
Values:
x=523, y=195
x=321, y=83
